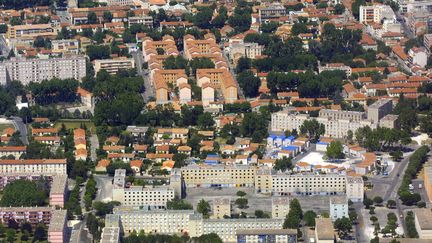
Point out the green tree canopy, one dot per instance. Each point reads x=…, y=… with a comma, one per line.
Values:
x=24, y=193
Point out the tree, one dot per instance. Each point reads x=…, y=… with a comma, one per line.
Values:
x=178, y=204
x=283, y=164
x=92, y=18
x=241, y=202
x=98, y=52
x=243, y=64
x=203, y=17
x=248, y=83
x=103, y=208
x=396, y=155
x=92, y=224
x=373, y=219
x=367, y=202
x=299, y=28
x=40, y=232
x=391, y=203
x=260, y=214
x=107, y=16
x=241, y=193
x=24, y=193
x=378, y=200
x=205, y=120
x=309, y=218
x=10, y=235
x=313, y=129
x=294, y=215
x=335, y=151
x=3, y=28
x=343, y=226
x=207, y=238
x=204, y=208
x=339, y=8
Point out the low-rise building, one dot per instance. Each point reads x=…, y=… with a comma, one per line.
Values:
x=15, y=151
x=112, y=66
x=324, y=231
x=280, y=207
x=65, y=46
x=423, y=222
x=35, y=166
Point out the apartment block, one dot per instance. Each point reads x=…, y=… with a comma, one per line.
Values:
x=138, y=195
x=112, y=66
x=427, y=42
x=271, y=11
x=280, y=207
x=324, y=230
x=334, y=67
x=221, y=208
x=120, y=2
x=376, y=13
x=379, y=109
x=36, y=70
x=220, y=79
x=54, y=219
x=65, y=46
x=338, y=207
x=237, y=50
x=35, y=166
x=218, y=175
x=267, y=235
x=15, y=151
x=31, y=31
x=354, y=188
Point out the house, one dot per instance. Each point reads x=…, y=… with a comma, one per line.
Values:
x=140, y=148
x=162, y=149
x=241, y=159
x=302, y=167
x=79, y=133
x=125, y=157
x=367, y=165
x=137, y=131
x=44, y=131
x=168, y=165
x=136, y=166
x=49, y=140
x=114, y=148
x=81, y=154
x=102, y=165
x=184, y=150
x=113, y=140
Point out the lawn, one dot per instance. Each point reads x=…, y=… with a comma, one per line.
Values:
x=5, y=125
x=72, y=124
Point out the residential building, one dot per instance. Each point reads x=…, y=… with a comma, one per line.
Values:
x=144, y=20
x=354, y=188
x=15, y=151
x=65, y=46
x=236, y=50
x=31, y=31
x=221, y=208
x=57, y=228
x=335, y=66
x=36, y=70
x=218, y=175
x=280, y=207
x=139, y=195
x=268, y=235
x=35, y=166
x=418, y=56
x=271, y=11
x=112, y=66
x=324, y=231
x=379, y=109
x=221, y=79
x=338, y=207
x=110, y=235
x=120, y=2
x=427, y=42
x=376, y=13
x=423, y=222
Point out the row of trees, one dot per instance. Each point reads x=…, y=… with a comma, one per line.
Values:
x=54, y=91
x=308, y=84
x=414, y=166
x=381, y=138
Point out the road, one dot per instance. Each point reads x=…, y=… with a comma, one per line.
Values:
x=94, y=144
x=149, y=89
x=20, y=126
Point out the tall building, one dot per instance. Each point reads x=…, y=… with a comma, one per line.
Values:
x=269, y=235
x=221, y=208
x=376, y=13
x=36, y=70
x=379, y=109
x=338, y=207
x=280, y=207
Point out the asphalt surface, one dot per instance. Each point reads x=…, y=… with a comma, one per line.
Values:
x=20, y=126
x=149, y=89
x=94, y=144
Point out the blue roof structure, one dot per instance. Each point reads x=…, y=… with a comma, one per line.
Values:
x=290, y=148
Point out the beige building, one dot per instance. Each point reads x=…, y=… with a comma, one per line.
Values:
x=139, y=195
x=112, y=66
x=36, y=70
x=334, y=67
x=219, y=175
x=36, y=166
x=324, y=231
x=379, y=109
x=15, y=151
x=280, y=207
x=67, y=46
x=267, y=235
x=236, y=50
x=31, y=31
x=221, y=208
x=423, y=222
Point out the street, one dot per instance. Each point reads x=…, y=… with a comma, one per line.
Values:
x=94, y=144
x=149, y=89
x=20, y=126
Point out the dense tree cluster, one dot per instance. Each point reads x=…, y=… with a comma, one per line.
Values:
x=410, y=225
x=25, y=193
x=249, y=83
x=313, y=129
x=119, y=101
x=308, y=84
x=54, y=91
x=381, y=138
x=21, y=4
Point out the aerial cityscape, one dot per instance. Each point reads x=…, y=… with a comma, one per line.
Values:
x=212, y=121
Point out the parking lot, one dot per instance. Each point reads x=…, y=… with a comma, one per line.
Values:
x=255, y=201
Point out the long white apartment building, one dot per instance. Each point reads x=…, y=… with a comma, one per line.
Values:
x=112, y=66
x=35, y=166
x=337, y=123
x=139, y=195
x=281, y=184
x=187, y=221
x=36, y=70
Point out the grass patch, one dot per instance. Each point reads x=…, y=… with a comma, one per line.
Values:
x=72, y=124
x=5, y=125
